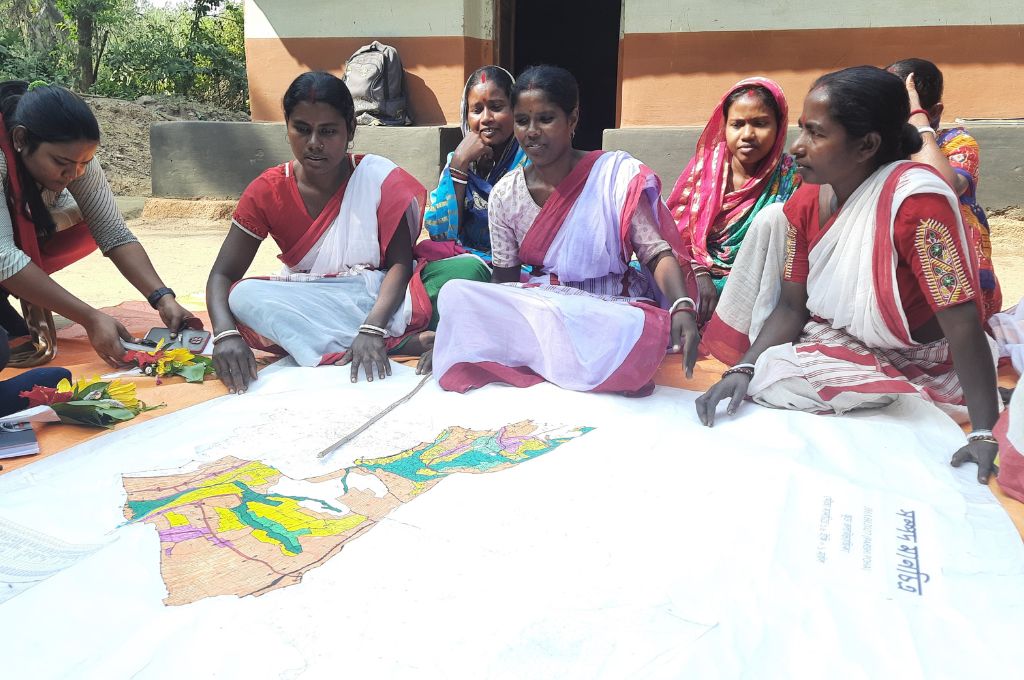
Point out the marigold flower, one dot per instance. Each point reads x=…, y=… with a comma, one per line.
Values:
x=123, y=392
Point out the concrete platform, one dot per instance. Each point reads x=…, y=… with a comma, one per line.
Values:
x=667, y=150
x=213, y=159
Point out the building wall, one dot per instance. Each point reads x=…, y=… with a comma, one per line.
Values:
x=440, y=41
x=677, y=57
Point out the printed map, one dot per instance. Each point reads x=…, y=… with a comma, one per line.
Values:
x=243, y=528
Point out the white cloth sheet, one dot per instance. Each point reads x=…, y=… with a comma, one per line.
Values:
x=623, y=553
x=1008, y=330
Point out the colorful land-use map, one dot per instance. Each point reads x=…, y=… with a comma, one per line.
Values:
x=231, y=527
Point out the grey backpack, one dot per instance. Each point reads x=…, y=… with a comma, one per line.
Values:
x=376, y=79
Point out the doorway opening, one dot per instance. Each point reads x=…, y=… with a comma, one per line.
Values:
x=579, y=35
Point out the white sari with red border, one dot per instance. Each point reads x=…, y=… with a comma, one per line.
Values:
x=856, y=351
x=313, y=308
x=575, y=325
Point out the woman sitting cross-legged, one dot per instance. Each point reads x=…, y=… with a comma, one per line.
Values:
x=739, y=168
x=870, y=288
x=587, y=320
x=349, y=291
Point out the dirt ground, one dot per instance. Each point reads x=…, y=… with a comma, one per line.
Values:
x=183, y=249
x=124, y=127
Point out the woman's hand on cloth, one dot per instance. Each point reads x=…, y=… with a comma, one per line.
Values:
x=707, y=298
x=981, y=452
x=685, y=339
x=367, y=351
x=174, y=316
x=426, y=363
x=471, y=149
x=732, y=386
x=235, y=364
x=105, y=334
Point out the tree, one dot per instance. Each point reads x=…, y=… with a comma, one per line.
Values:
x=90, y=18
x=200, y=10
x=40, y=22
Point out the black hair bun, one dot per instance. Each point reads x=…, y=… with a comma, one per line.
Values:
x=910, y=140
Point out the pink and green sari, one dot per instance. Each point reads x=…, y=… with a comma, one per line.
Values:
x=714, y=220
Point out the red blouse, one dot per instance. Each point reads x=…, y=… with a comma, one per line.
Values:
x=272, y=206
x=932, y=270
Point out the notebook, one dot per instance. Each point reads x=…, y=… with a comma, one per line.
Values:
x=17, y=439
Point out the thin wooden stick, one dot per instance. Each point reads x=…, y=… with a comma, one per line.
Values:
x=369, y=423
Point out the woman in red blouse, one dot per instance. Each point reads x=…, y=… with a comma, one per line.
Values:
x=870, y=288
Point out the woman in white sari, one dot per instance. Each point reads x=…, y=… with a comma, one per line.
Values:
x=350, y=291
x=586, y=320
x=863, y=291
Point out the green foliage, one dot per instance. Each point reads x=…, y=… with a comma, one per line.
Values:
x=196, y=49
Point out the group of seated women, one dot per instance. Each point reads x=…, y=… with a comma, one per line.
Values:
x=838, y=276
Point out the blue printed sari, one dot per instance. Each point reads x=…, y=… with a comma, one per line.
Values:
x=442, y=214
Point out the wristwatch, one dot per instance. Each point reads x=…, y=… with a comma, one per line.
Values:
x=155, y=296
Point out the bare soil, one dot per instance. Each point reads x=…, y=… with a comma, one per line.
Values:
x=182, y=250
x=124, y=127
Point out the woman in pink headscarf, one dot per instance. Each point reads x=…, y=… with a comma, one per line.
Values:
x=739, y=167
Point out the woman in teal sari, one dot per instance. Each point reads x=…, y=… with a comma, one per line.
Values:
x=457, y=208
x=739, y=167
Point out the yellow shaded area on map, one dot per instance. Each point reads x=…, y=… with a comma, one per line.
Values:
x=176, y=519
x=452, y=446
x=293, y=517
x=526, y=446
x=227, y=520
x=252, y=474
x=263, y=537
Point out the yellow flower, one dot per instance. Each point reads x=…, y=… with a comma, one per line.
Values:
x=79, y=386
x=180, y=356
x=123, y=392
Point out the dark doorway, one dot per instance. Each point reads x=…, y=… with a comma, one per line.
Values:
x=579, y=35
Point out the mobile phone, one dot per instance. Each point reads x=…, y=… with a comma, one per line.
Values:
x=194, y=341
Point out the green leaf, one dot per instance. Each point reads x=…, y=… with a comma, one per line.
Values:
x=81, y=414
x=193, y=373
x=120, y=414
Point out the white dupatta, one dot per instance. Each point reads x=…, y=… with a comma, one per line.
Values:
x=842, y=281
x=351, y=244
x=589, y=244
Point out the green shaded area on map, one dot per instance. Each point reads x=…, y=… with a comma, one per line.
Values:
x=222, y=530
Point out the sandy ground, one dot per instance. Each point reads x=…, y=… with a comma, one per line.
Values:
x=183, y=249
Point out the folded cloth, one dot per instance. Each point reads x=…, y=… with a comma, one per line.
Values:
x=1008, y=330
x=1010, y=433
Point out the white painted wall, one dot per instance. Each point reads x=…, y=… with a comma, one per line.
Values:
x=369, y=18
x=479, y=19
x=685, y=16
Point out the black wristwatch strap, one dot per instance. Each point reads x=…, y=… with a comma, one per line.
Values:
x=155, y=296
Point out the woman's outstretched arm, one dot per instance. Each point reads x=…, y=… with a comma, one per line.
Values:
x=782, y=326
x=234, y=361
